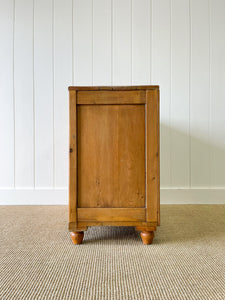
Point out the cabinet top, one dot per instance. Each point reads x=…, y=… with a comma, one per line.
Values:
x=112, y=88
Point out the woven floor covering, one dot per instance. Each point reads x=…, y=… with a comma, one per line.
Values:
x=185, y=261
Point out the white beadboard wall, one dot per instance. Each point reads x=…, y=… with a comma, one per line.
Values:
x=47, y=45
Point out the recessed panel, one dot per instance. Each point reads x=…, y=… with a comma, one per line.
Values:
x=111, y=155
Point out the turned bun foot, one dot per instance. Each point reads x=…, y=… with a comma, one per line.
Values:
x=147, y=237
x=77, y=237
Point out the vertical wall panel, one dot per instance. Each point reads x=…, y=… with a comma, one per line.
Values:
x=161, y=74
x=199, y=94
x=23, y=59
x=141, y=21
x=165, y=42
x=62, y=79
x=6, y=95
x=83, y=42
x=218, y=92
x=180, y=94
x=122, y=54
x=44, y=103
x=102, y=38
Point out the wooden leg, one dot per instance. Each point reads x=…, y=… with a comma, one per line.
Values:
x=77, y=237
x=147, y=237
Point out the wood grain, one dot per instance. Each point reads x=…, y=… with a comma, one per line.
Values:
x=77, y=237
x=111, y=214
x=114, y=88
x=140, y=225
x=73, y=159
x=111, y=97
x=97, y=145
x=147, y=237
x=131, y=156
x=114, y=159
x=146, y=227
x=152, y=156
x=111, y=156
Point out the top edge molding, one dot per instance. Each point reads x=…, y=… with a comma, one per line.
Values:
x=112, y=88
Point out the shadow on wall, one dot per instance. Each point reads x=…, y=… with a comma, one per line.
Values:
x=193, y=160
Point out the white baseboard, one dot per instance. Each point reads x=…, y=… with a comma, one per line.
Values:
x=192, y=196
x=34, y=197
x=60, y=196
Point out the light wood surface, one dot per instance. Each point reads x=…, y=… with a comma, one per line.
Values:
x=73, y=159
x=114, y=158
x=147, y=237
x=114, y=88
x=111, y=214
x=139, y=225
x=111, y=156
x=77, y=237
x=152, y=155
x=111, y=97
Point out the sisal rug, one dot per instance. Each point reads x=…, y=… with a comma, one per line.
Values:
x=185, y=261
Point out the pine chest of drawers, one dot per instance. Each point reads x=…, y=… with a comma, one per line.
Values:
x=114, y=159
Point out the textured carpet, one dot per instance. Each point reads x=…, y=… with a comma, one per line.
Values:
x=185, y=261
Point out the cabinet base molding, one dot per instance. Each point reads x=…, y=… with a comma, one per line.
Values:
x=140, y=226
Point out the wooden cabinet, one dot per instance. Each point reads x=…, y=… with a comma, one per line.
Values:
x=114, y=159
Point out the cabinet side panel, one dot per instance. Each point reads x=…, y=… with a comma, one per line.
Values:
x=97, y=148
x=111, y=155
x=73, y=160
x=152, y=156
x=131, y=156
